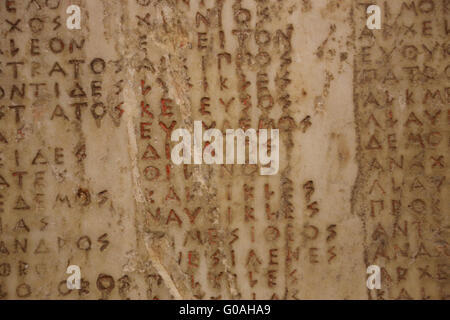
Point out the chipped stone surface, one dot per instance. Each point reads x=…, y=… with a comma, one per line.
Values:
x=86, y=176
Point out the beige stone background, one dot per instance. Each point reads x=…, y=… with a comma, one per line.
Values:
x=86, y=177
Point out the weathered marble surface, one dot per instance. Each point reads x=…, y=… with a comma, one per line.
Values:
x=86, y=177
